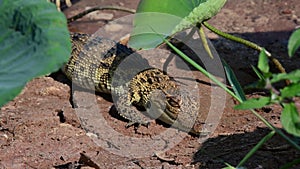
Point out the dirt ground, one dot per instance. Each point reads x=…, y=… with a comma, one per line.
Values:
x=40, y=128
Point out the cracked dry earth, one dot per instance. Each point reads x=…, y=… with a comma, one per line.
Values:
x=40, y=128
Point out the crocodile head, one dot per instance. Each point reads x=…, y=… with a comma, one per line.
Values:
x=175, y=107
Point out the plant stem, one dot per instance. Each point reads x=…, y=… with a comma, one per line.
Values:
x=246, y=43
x=255, y=148
x=119, y=8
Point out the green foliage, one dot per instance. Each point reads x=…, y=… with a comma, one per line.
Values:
x=254, y=103
x=34, y=41
x=228, y=166
x=293, y=76
x=178, y=8
x=290, y=91
x=168, y=17
x=145, y=24
x=233, y=81
x=294, y=43
x=255, y=148
x=263, y=64
x=290, y=117
x=258, y=73
x=204, y=11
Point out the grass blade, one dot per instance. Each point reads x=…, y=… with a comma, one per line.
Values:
x=234, y=83
x=255, y=148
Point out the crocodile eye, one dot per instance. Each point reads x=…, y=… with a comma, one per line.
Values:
x=104, y=65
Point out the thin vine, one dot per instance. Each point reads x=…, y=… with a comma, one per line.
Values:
x=118, y=8
x=246, y=43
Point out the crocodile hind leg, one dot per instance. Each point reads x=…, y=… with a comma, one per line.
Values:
x=129, y=112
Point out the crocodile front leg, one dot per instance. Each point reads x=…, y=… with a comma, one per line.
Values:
x=130, y=112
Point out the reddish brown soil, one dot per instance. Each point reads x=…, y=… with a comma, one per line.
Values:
x=40, y=129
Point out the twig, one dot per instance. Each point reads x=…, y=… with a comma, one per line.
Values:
x=118, y=8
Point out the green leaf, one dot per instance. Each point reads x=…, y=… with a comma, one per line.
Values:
x=228, y=166
x=290, y=119
x=256, y=148
x=156, y=16
x=34, y=41
x=178, y=8
x=204, y=42
x=254, y=103
x=231, y=167
x=237, y=88
x=293, y=76
x=294, y=42
x=263, y=64
x=288, y=165
x=146, y=27
x=260, y=84
x=257, y=72
x=290, y=90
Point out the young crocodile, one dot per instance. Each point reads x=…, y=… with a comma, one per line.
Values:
x=93, y=65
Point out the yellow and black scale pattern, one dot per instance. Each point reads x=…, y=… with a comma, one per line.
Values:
x=61, y=3
x=93, y=64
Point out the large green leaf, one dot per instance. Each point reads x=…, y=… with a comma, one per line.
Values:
x=146, y=27
x=167, y=17
x=34, y=41
x=294, y=42
x=180, y=8
x=290, y=119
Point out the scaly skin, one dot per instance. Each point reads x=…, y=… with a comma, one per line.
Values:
x=93, y=63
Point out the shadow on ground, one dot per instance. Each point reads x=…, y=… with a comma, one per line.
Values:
x=215, y=152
